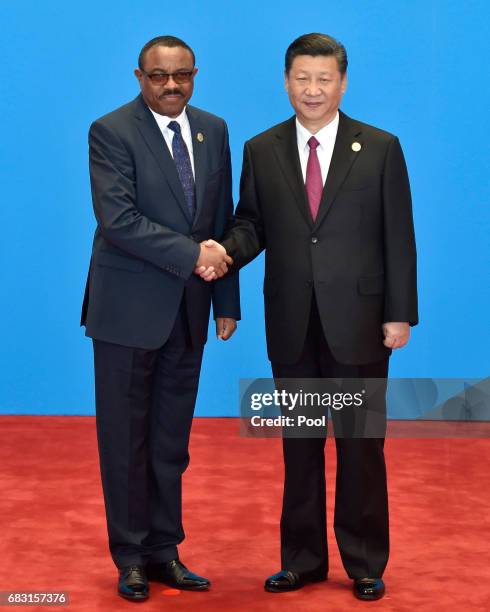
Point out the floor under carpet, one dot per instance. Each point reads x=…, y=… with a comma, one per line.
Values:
x=53, y=535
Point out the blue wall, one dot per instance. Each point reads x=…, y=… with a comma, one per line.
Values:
x=417, y=68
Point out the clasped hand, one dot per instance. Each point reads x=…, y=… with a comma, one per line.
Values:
x=213, y=261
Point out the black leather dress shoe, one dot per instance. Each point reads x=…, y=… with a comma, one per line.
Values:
x=369, y=588
x=133, y=583
x=175, y=574
x=286, y=580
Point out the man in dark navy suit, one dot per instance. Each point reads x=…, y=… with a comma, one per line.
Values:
x=328, y=199
x=161, y=187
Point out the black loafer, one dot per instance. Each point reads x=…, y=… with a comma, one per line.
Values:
x=286, y=580
x=176, y=575
x=133, y=583
x=369, y=588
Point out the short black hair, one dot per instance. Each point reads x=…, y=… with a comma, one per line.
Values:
x=163, y=41
x=317, y=44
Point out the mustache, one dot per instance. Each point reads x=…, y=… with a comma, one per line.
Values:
x=171, y=92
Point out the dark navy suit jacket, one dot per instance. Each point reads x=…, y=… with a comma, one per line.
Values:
x=146, y=244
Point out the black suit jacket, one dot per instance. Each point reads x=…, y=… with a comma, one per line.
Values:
x=146, y=244
x=358, y=256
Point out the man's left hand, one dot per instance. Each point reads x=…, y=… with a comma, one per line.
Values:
x=396, y=335
x=225, y=327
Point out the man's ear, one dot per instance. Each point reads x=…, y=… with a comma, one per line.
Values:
x=343, y=87
x=286, y=80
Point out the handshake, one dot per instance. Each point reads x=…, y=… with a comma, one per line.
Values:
x=213, y=261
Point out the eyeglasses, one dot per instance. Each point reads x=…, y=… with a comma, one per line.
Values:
x=161, y=78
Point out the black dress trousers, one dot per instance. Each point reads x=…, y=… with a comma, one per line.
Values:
x=144, y=408
x=361, y=501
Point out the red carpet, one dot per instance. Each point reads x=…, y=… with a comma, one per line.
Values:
x=53, y=528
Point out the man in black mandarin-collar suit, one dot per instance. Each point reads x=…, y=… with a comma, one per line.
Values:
x=161, y=186
x=340, y=293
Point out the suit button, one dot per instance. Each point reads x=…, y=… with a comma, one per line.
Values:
x=314, y=240
x=309, y=283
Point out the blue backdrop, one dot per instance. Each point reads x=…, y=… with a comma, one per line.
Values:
x=418, y=69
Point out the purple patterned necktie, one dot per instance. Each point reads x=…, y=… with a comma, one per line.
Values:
x=184, y=168
x=314, y=183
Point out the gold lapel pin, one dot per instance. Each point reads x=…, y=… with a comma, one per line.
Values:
x=200, y=136
x=356, y=147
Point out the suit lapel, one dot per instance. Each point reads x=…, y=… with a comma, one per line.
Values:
x=342, y=159
x=286, y=150
x=199, y=146
x=157, y=145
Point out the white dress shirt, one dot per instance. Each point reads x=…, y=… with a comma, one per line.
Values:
x=326, y=137
x=168, y=134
